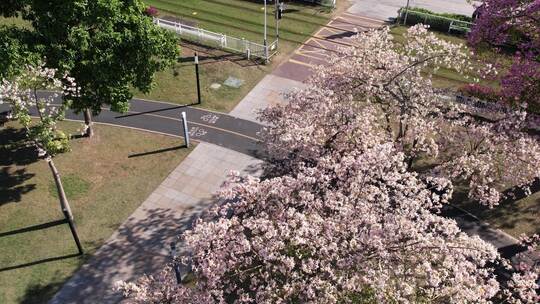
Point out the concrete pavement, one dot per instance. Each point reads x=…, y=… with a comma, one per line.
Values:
x=269, y=91
x=387, y=9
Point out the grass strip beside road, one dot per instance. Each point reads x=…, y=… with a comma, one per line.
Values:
x=238, y=18
x=104, y=187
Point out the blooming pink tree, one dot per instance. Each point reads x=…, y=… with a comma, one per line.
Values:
x=516, y=23
x=380, y=92
x=354, y=228
x=344, y=214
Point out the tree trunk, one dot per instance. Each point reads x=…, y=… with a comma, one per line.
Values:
x=64, y=204
x=88, y=122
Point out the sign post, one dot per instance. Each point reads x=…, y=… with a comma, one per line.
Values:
x=185, y=127
x=197, y=76
x=176, y=267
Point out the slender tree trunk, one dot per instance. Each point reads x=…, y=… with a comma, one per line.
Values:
x=64, y=204
x=88, y=122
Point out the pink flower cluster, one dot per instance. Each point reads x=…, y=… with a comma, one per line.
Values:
x=151, y=11
x=515, y=23
x=341, y=215
x=481, y=92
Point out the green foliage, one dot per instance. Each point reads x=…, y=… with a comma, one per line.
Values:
x=12, y=8
x=14, y=51
x=447, y=15
x=54, y=141
x=108, y=46
x=438, y=22
x=74, y=186
x=19, y=94
x=366, y=296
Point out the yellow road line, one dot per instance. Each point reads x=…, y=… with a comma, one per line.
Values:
x=363, y=17
x=200, y=124
x=301, y=63
x=127, y=127
x=311, y=56
x=320, y=44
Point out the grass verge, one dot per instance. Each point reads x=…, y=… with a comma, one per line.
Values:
x=238, y=18
x=104, y=187
x=515, y=217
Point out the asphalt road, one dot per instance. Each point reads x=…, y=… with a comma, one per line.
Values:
x=217, y=128
x=387, y=9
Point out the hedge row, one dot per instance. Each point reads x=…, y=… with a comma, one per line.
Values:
x=447, y=15
x=438, y=22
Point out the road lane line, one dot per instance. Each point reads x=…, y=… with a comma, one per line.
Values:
x=325, y=58
x=201, y=124
x=175, y=119
x=301, y=63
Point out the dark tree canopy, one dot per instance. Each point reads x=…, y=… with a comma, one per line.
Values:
x=108, y=46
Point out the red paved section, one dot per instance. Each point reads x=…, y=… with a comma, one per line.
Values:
x=337, y=34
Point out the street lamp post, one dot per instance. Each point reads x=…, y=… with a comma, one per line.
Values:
x=406, y=13
x=265, y=41
x=276, y=16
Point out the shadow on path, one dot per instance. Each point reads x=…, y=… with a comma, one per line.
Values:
x=140, y=246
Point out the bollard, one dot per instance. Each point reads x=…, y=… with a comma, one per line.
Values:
x=186, y=133
x=176, y=266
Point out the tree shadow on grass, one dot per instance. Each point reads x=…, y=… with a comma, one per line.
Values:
x=140, y=246
x=40, y=293
x=510, y=212
x=14, y=152
x=36, y=293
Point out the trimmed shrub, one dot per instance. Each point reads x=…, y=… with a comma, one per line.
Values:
x=438, y=22
x=151, y=11
x=479, y=91
x=447, y=15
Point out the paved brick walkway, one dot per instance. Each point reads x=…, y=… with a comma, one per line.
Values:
x=269, y=91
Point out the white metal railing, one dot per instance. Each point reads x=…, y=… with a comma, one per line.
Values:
x=248, y=48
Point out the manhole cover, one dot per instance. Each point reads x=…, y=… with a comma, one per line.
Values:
x=233, y=82
x=215, y=86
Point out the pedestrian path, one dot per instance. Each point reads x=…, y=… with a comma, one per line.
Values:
x=141, y=244
x=337, y=34
x=292, y=73
x=269, y=91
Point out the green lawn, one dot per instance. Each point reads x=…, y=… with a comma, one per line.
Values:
x=245, y=19
x=103, y=185
x=515, y=218
x=242, y=19
x=178, y=84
